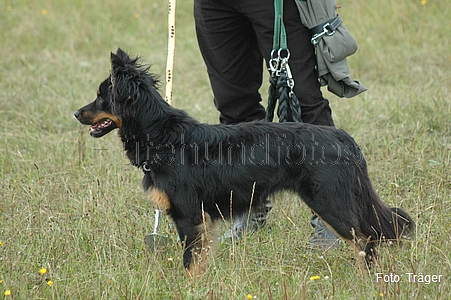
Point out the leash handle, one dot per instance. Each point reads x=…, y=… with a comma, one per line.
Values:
x=280, y=35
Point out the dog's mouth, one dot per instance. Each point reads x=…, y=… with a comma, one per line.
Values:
x=102, y=127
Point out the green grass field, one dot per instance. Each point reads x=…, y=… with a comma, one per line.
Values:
x=74, y=206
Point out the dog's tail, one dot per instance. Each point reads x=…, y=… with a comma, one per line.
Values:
x=382, y=223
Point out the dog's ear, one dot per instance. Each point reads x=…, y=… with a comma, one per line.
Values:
x=120, y=52
x=116, y=61
x=117, y=64
x=123, y=72
x=121, y=58
x=120, y=65
x=122, y=61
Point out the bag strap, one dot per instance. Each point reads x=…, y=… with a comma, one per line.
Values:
x=326, y=28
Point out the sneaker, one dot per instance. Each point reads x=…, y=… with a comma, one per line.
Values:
x=241, y=225
x=322, y=238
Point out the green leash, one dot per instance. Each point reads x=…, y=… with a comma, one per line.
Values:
x=280, y=35
x=281, y=79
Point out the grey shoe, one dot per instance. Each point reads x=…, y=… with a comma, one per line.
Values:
x=322, y=238
x=246, y=224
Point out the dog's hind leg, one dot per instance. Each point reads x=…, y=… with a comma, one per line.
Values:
x=360, y=256
x=347, y=227
x=200, y=242
x=365, y=253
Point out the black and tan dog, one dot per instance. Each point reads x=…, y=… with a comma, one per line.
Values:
x=199, y=173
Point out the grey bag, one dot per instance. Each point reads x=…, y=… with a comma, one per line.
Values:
x=333, y=44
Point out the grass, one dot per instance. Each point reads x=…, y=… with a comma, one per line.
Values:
x=74, y=205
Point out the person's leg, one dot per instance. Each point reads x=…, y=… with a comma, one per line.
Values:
x=315, y=109
x=229, y=47
x=302, y=61
x=234, y=63
x=228, y=33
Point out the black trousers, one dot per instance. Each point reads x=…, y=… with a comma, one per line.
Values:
x=235, y=37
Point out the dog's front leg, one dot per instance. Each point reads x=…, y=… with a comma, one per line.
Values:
x=200, y=239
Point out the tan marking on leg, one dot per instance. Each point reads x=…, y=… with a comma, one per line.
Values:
x=160, y=199
x=204, y=247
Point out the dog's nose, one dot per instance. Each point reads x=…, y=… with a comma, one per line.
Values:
x=77, y=114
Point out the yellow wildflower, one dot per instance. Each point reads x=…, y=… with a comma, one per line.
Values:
x=50, y=283
x=7, y=292
x=44, y=11
x=1, y=281
x=249, y=296
x=1, y=243
x=423, y=2
x=316, y=277
x=42, y=271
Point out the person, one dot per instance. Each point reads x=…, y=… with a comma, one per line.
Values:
x=235, y=37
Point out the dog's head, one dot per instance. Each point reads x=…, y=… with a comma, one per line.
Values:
x=98, y=113
x=116, y=95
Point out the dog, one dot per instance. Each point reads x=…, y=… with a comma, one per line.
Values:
x=199, y=174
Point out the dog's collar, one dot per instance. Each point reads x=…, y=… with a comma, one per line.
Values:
x=145, y=167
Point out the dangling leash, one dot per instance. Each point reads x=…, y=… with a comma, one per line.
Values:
x=153, y=240
x=281, y=80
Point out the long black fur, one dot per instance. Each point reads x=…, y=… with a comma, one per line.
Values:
x=206, y=169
